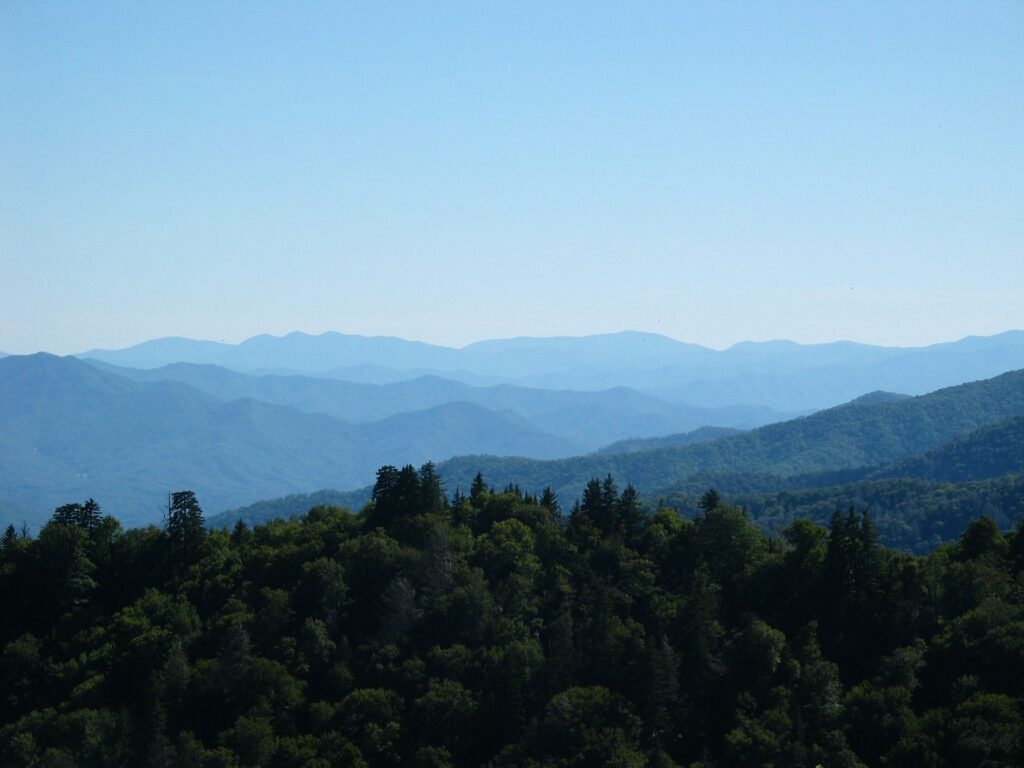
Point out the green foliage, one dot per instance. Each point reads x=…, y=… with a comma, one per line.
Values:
x=911, y=514
x=492, y=631
x=846, y=438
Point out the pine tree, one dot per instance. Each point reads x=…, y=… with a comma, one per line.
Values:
x=457, y=498
x=709, y=501
x=432, y=499
x=549, y=500
x=8, y=539
x=630, y=514
x=85, y=516
x=240, y=534
x=67, y=514
x=477, y=490
x=90, y=515
x=186, y=529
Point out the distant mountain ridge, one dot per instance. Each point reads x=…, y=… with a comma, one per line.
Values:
x=69, y=431
x=291, y=506
x=937, y=490
x=699, y=435
x=587, y=419
x=846, y=437
x=782, y=375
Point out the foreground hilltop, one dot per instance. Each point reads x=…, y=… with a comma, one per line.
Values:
x=493, y=631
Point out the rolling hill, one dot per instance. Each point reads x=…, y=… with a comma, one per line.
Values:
x=70, y=431
x=921, y=500
x=699, y=435
x=841, y=438
x=991, y=451
x=293, y=505
x=910, y=513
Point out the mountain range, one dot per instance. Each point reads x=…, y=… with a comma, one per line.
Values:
x=781, y=375
x=587, y=420
x=857, y=435
x=69, y=431
x=239, y=423
x=918, y=502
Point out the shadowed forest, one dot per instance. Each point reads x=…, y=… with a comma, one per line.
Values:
x=499, y=629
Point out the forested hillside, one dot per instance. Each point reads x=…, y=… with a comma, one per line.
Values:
x=497, y=629
x=701, y=435
x=287, y=507
x=69, y=430
x=910, y=513
x=919, y=502
x=847, y=437
x=991, y=451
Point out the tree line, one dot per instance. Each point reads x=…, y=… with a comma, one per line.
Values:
x=493, y=627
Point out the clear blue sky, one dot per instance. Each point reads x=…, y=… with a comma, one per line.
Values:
x=458, y=171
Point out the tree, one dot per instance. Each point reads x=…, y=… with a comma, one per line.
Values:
x=477, y=490
x=240, y=534
x=85, y=516
x=8, y=539
x=186, y=529
x=432, y=500
x=600, y=505
x=709, y=501
x=66, y=568
x=630, y=515
x=549, y=500
x=397, y=494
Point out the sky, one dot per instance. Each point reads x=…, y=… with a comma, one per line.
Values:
x=459, y=171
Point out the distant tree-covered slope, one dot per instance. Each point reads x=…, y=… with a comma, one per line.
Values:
x=699, y=435
x=69, y=430
x=991, y=451
x=912, y=514
x=290, y=506
x=590, y=419
x=988, y=452
x=878, y=396
x=846, y=437
x=919, y=502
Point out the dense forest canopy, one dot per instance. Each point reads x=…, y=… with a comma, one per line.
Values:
x=498, y=628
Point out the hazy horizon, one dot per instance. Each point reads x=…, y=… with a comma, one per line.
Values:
x=237, y=341
x=455, y=171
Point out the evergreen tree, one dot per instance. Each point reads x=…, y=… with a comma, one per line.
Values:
x=549, y=500
x=630, y=515
x=432, y=500
x=240, y=534
x=186, y=529
x=8, y=539
x=477, y=490
x=89, y=517
x=457, y=498
x=709, y=500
